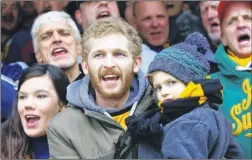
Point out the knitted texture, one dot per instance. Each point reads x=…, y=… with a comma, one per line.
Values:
x=185, y=61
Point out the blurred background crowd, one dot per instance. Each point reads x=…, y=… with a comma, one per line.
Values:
x=160, y=24
x=183, y=18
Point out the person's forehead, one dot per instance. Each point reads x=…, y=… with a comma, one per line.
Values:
x=110, y=39
x=209, y=3
x=57, y=25
x=161, y=76
x=159, y=7
x=109, y=42
x=150, y=3
x=46, y=85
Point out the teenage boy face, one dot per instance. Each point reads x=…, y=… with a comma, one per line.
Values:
x=166, y=86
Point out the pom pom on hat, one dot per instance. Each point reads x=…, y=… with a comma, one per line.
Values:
x=199, y=40
x=185, y=61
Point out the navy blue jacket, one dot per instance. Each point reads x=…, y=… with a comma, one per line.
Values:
x=201, y=133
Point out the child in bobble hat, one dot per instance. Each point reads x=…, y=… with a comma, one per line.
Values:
x=187, y=123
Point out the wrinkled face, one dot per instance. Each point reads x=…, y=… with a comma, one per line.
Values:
x=111, y=66
x=129, y=12
x=28, y=7
x=57, y=45
x=152, y=22
x=91, y=11
x=37, y=104
x=210, y=20
x=9, y=11
x=173, y=7
x=166, y=86
x=43, y=6
x=236, y=28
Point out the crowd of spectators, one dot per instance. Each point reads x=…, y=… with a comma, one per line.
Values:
x=31, y=39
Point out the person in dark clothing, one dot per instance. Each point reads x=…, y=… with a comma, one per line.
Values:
x=10, y=21
x=187, y=123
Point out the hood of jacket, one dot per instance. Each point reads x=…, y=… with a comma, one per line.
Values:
x=227, y=66
x=81, y=94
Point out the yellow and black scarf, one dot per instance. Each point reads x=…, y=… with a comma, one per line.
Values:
x=194, y=95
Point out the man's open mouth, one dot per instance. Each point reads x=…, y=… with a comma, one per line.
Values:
x=214, y=25
x=169, y=6
x=155, y=33
x=103, y=14
x=244, y=38
x=110, y=77
x=59, y=51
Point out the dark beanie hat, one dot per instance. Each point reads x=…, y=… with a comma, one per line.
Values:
x=185, y=61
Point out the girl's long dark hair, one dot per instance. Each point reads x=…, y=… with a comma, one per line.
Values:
x=15, y=142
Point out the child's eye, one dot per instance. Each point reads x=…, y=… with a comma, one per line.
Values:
x=171, y=82
x=158, y=89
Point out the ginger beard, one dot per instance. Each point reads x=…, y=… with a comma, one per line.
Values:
x=112, y=83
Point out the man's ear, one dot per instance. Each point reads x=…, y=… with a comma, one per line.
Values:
x=77, y=15
x=79, y=49
x=137, y=63
x=39, y=57
x=223, y=39
x=134, y=24
x=65, y=3
x=84, y=65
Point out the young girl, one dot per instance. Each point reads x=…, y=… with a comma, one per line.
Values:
x=188, y=123
x=41, y=95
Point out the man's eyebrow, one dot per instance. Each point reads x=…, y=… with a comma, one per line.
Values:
x=47, y=32
x=119, y=50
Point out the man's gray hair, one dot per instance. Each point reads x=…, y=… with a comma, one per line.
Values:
x=52, y=17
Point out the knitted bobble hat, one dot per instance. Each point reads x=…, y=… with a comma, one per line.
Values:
x=185, y=61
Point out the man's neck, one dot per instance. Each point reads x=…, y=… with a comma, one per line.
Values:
x=111, y=102
x=72, y=73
